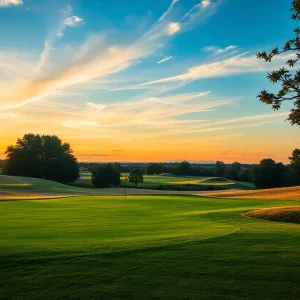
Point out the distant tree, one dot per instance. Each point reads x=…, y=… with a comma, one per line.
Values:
x=105, y=175
x=286, y=76
x=176, y=168
x=236, y=166
x=268, y=174
x=136, y=176
x=232, y=174
x=219, y=169
x=2, y=163
x=245, y=175
x=42, y=156
x=154, y=168
x=295, y=164
x=184, y=167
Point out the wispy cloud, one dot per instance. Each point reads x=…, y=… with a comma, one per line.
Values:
x=73, y=21
x=205, y=7
x=165, y=59
x=7, y=3
x=238, y=64
x=217, y=50
x=97, y=57
x=165, y=14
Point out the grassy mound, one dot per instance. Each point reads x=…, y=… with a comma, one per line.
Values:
x=278, y=214
x=289, y=193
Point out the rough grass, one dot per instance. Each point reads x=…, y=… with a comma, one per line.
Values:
x=288, y=193
x=278, y=214
x=146, y=247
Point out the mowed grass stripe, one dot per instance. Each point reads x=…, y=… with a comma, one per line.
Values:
x=146, y=247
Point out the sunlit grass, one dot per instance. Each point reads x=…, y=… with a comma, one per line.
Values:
x=146, y=247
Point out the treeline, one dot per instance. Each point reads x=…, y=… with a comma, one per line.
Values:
x=45, y=156
x=235, y=171
x=266, y=174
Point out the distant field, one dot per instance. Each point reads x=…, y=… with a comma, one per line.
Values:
x=156, y=181
x=146, y=247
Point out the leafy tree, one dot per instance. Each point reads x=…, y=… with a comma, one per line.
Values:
x=232, y=174
x=176, y=169
x=236, y=166
x=154, y=168
x=136, y=176
x=289, y=80
x=42, y=156
x=219, y=169
x=268, y=174
x=184, y=167
x=245, y=175
x=105, y=175
x=295, y=163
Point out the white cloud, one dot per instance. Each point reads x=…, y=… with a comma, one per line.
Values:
x=165, y=59
x=7, y=3
x=205, y=3
x=73, y=21
x=172, y=28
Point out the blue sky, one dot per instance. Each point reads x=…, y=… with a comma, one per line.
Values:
x=145, y=80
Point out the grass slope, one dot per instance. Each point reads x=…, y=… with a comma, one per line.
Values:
x=146, y=247
x=14, y=187
x=279, y=214
x=288, y=193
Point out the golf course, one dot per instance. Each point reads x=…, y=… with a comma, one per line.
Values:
x=64, y=242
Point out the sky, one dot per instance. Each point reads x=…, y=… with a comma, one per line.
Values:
x=131, y=80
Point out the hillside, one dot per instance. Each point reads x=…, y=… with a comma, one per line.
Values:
x=288, y=193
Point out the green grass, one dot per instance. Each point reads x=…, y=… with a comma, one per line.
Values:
x=154, y=182
x=146, y=247
x=10, y=185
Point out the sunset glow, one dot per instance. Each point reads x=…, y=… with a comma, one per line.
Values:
x=154, y=81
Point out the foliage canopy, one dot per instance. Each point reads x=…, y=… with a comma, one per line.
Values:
x=289, y=76
x=41, y=156
x=105, y=175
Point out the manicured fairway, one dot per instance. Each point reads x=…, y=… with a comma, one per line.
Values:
x=146, y=247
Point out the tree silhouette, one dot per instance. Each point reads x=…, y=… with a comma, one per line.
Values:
x=136, y=176
x=286, y=76
x=295, y=163
x=41, y=156
x=184, y=167
x=105, y=175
